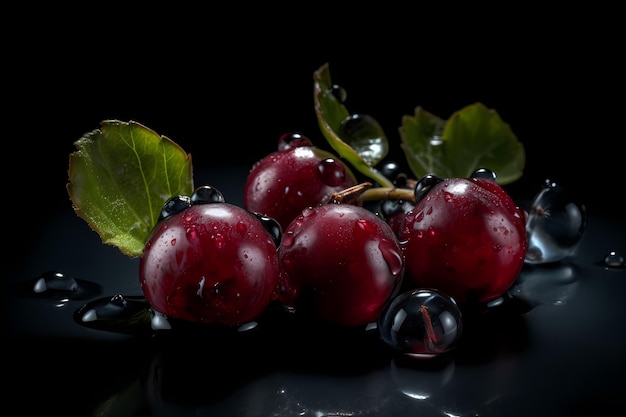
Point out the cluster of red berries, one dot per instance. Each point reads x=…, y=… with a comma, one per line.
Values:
x=305, y=239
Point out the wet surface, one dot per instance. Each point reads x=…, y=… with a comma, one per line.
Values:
x=555, y=346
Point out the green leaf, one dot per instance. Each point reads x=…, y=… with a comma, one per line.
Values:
x=120, y=177
x=357, y=138
x=474, y=137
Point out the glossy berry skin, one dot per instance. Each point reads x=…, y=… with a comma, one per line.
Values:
x=294, y=177
x=340, y=262
x=210, y=263
x=465, y=237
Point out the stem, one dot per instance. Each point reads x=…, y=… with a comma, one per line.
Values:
x=387, y=193
x=350, y=193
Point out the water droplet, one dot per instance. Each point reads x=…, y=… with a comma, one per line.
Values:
x=219, y=241
x=364, y=226
x=119, y=314
x=292, y=140
x=272, y=226
x=288, y=239
x=365, y=135
x=308, y=211
x=484, y=173
x=241, y=227
x=554, y=226
x=614, y=260
x=392, y=255
x=192, y=233
x=205, y=194
x=340, y=93
x=423, y=186
x=331, y=172
x=160, y=322
x=54, y=280
x=421, y=323
x=174, y=205
x=436, y=140
x=58, y=286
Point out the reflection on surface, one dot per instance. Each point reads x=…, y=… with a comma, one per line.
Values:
x=315, y=371
x=553, y=346
x=552, y=284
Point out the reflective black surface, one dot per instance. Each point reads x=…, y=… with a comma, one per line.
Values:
x=554, y=347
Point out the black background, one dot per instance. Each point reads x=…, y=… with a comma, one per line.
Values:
x=225, y=83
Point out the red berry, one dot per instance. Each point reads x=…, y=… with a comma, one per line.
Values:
x=341, y=262
x=294, y=177
x=210, y=263
x=465, y=237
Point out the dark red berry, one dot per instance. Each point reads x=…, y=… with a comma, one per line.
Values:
x=465, y=237
x=210, y=263
x=341, y=262
x=294, y=177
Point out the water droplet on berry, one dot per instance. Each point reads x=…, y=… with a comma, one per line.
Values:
x=554, y=225
x=614, y=260
x=241, y=228
x=287, y=239
x=205, y=194
x=484, y=173
x=121, y=314
x=191, y=233
x=424, y=185
x=331, y=172
x=292, y=140
x=219, y=241
x=367, y=228
x=308, y=211
x=421, y=323
x=392, y=256
x=272, y=226
x=365, y=135
x=174, y=205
